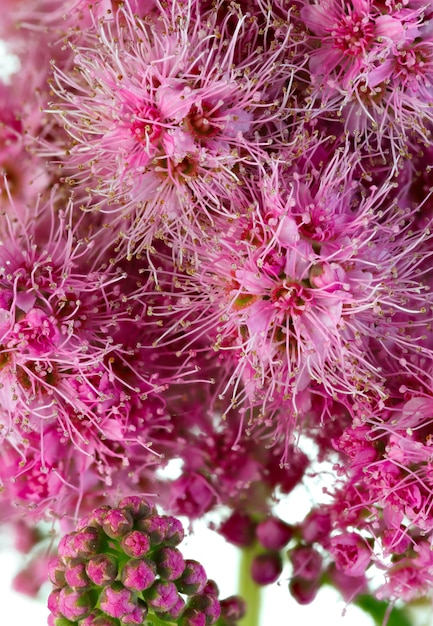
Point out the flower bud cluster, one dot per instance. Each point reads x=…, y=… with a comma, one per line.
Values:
x=272, y=534
x=122, y=567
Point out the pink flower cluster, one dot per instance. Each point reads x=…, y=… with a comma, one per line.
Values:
x=215, y=229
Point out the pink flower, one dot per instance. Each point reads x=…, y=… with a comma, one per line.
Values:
x=371, y=65
x=410, y=577
x=346, y=33
x=173, y=114
x=36, y=333
x=351, y=553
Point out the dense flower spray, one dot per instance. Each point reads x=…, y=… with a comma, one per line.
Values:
x=215, y=252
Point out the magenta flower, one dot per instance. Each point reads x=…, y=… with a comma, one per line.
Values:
x=70, y=402
x=298, y=304
x=346, y=33
x=371, y=66
x=216, y=242
x=351, y=553
x=172, y=117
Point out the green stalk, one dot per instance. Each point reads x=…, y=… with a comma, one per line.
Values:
x=379, y=609
x=248, y=589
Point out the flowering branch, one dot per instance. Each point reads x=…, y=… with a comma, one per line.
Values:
x=215, y=286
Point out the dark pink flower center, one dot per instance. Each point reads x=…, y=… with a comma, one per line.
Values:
x=200, y=120
x=352, y=34
x=289, y=297
x=146, y=127
x=412, y=63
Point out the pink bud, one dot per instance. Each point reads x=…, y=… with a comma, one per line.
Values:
x=304, y=591
x=193, y=579
x=56, y=571
x=306, y=561
x=117, y=523
x=206, y=604
x=135, y=543
x=102, y=569
x=273, y=533
x=266, y=568
x=238, y=529
x=137, y=506
x=169, y=562
x=162, y=596
x=138, y=574
x=75, y=574
x=95, y=518
x=116, y=600
x=75, y=604
x=233, y=609
x=316, y=527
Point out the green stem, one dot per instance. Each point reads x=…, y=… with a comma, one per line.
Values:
x=378, y=609
x=248, y=589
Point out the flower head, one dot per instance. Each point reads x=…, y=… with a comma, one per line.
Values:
x=163, y=114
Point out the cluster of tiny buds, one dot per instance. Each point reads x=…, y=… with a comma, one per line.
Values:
x=122, y=567
x=271, y=534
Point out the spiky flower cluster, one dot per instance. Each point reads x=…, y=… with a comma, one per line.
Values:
x=121, y=566
x=215, y=255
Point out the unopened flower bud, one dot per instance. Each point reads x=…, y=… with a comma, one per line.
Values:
x=169, y=562
x=117, y=601
x=304, y=591
x=56, y=571
x=316, y=526
x=233, y=609
x=138, y=507
x=206, y=604
x=306, y=562
x=82, y=544
x=53, y=602
x=238, y=529
x=162, y=596
x=137, y=617
x=174, y=532
x=117, y=523
x=76, y=604
x=266, y=568
x=175, y=612
x=192, y=617
x=273, y=533
x=135, y=543
x=155, y=527
x=193, y=579
x=75, y=574
x=211, y=588
x=102, y=569
x=95, y=518
x=138, y=574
